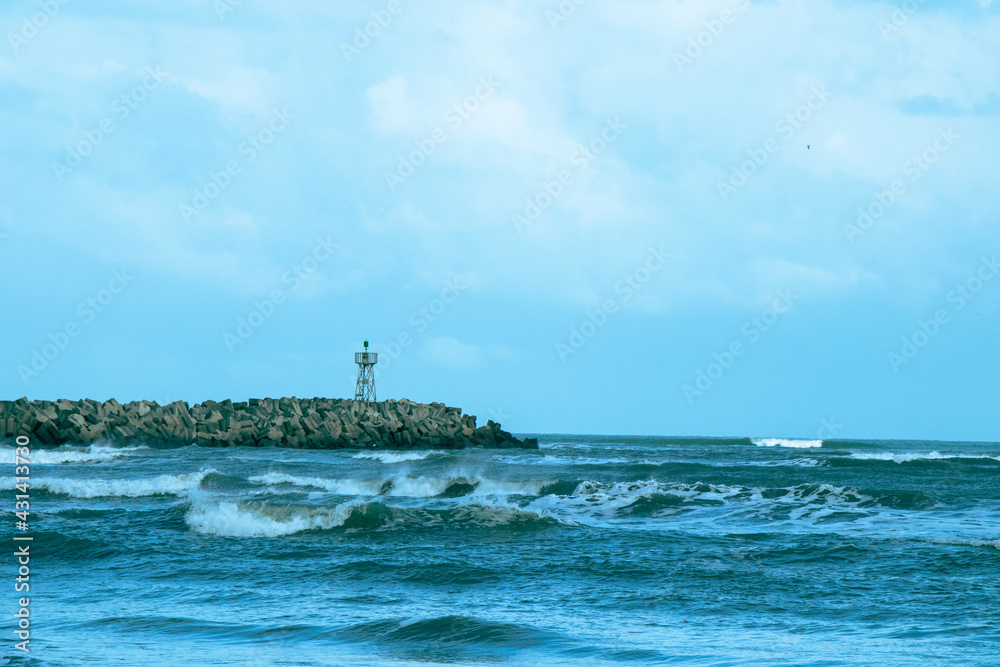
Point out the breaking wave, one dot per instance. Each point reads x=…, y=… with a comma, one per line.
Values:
x=258, y=519
x=177, y=485
x=233, y=519
x=462, y=502
x=590, y=501
x=554, y=460
x=95, y=452
x=782, y=442
x=344, y=487
x=906, y=457
x=405, y=485
x=397, y=457
x=967, y=542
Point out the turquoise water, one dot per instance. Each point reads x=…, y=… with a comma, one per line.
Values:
x=590, y=551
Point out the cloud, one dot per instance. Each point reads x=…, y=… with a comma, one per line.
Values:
x=240, y=90
x=452, y=353
x=391, y=112
x=772, y=273
x=950, y=107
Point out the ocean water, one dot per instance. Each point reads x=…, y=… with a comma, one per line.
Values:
x=590, y=551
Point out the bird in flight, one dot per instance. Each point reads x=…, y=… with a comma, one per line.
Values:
x=808, y=146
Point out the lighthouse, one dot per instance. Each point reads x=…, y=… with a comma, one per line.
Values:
x=365, y=391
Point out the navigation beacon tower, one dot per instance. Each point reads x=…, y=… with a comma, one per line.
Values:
x=366, y=361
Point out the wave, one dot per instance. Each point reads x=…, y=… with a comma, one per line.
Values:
x=782, y=442
x=177, y=485
x=228, y=484
x=406, y=485
x=553, y=460
x=397, y=457
x=259, y=519
x=616, y=496
x=591, y=500
x=967, y=542
x=343, y=487
x=232, y=519
x=72, y=548
x=779, y=463
x=211, y=480
x=95, y=452
x=457, y=630
x=173, y=626
x=906, y=457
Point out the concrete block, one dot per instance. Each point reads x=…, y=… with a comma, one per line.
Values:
x=293, y=422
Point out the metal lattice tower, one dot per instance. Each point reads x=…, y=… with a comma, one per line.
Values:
x=366, y=361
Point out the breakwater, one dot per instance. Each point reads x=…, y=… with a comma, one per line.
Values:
x=307, y=423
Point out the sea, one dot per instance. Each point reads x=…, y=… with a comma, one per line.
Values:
x=592, y=550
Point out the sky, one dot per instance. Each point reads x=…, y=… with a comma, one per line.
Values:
x=719, y=218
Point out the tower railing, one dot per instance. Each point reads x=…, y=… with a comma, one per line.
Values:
x=366, y=357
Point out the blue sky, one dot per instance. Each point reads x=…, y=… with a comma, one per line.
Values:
x=585, y=218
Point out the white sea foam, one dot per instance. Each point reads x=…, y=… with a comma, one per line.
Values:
x=403, y=485
x=600, y=502
x=419, y=487
x=230, y=519
x=495, y=511
x=640, y=504
x=903, y=457
x=599, y=498
x=344, y=487
x=782, y=442
x=64, y=454
x=967, y=542
x=253, y=519
x=178, y=485
x=491, y=487
x=780, y=463
x=554, y=460
x=396, y=457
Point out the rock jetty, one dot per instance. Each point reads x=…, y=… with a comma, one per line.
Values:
x=308, y=423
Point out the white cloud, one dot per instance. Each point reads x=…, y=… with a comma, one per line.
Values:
x=240, y=90
x=453, y=353
x=391, y=111
x=776, y=272
x=450, y=352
